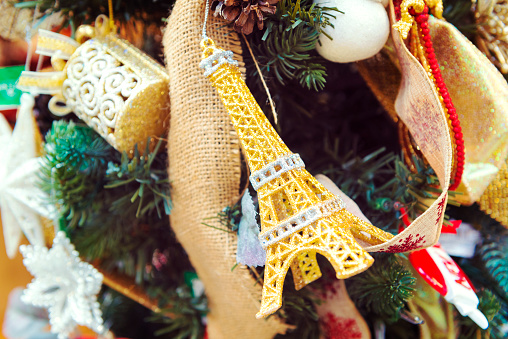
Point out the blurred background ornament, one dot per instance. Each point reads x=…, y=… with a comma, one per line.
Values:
x=15, y=18
x=338, y=316
x=441, y=272
x=63, y=284
x=430, y=306
x=492, y=32
x=359, y=30
x=494, y=200
x=9, y=95
x=481, y=105
x=22, y=202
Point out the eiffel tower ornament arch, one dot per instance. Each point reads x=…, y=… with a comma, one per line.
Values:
x=299, y=216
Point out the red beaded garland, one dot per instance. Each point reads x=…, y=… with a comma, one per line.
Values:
x=422, y=22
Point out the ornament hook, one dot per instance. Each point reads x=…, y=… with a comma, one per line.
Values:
x=407, y=20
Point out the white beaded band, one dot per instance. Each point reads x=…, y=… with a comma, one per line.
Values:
x=299, y=221
x=217, y=59
x=275, y=169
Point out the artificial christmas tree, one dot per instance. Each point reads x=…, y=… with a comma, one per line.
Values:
x=165, y=241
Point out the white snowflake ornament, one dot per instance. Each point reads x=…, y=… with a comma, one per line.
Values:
x=21, y=201
x=63, y=284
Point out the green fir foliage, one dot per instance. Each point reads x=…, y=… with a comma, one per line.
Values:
x=73, y=170
x=459, y=13
x=114, y=208
x=380, y=183
x=298, y=310
x=383, y=289
x=285, y=50
x=149, y=183
x=181, y=316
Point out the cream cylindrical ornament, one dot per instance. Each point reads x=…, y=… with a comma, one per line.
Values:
x=358, y=33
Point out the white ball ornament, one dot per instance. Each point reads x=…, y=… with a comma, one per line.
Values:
x=358, y=33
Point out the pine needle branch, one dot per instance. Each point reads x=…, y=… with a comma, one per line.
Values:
x=286, y=49
x=383, y=289
x=146, y=176
x=73, y=170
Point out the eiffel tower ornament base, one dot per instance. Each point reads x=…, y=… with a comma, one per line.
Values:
x=337, y=245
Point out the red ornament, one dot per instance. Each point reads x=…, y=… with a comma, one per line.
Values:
x=10, y=115
x=422, y=22
x=441, y=272
x=453, y=228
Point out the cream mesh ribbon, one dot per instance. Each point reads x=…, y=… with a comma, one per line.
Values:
x=418, y=106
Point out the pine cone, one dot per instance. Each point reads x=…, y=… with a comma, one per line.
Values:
x=245, y=13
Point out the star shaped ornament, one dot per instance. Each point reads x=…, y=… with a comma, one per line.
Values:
x=63, y=284
x=21, y=201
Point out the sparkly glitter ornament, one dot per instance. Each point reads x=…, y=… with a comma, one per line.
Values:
x=358, y=33
x=299, y=216
x=492, y=32
x=112, y=86
x=63, y=284
x=481, y=104
x=22, y=203
x=494, y=200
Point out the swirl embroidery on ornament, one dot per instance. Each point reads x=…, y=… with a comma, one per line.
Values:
x=97, y=87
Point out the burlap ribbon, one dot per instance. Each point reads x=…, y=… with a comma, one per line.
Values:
x=416, y=103
x=204, y=167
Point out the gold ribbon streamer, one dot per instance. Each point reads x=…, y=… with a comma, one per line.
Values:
x=481, y=103
x=43, y=83
x=49, y=43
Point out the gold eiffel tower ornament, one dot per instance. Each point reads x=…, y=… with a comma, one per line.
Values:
x=299, y=216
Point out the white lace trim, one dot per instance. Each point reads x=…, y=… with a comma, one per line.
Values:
x=300, y=220
x=275, y=169
x=217, y=59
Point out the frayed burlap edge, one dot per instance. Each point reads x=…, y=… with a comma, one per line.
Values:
x=204, y=168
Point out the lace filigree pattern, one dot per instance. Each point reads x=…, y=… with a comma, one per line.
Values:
x=97, y=87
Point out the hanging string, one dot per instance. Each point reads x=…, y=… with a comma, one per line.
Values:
x=28, y=38
x=207, y=10
x=272, y=105
x=111, y=16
